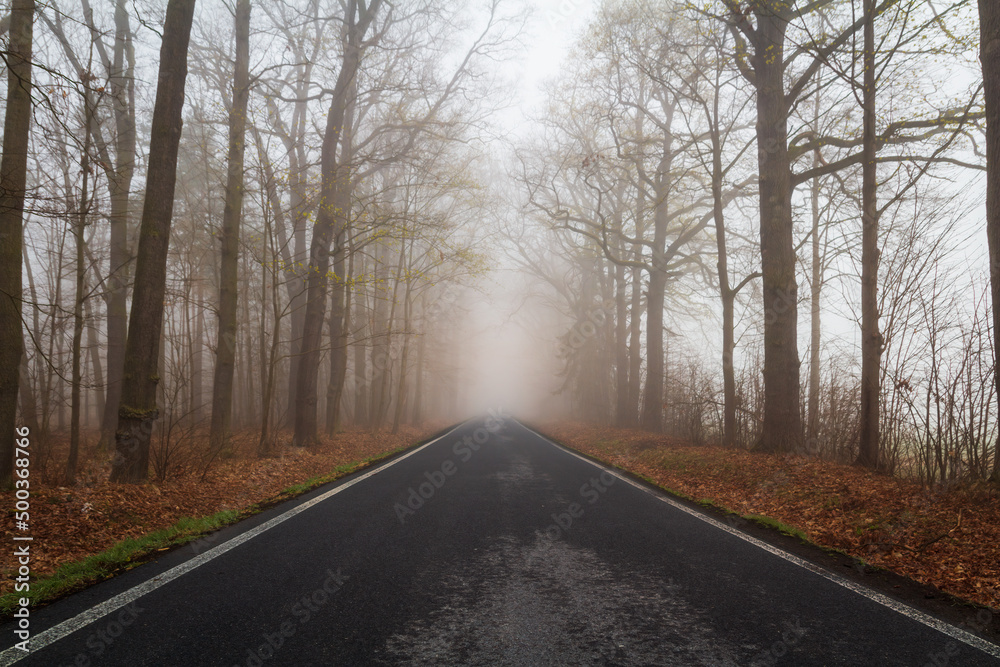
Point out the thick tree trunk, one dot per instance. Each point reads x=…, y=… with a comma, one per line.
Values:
x=123, y=93
x=871, y=337
x=652, y=402
x=225, y=353
x=138, y=410
x=782, y=428
x=989, y=22
x=298, y=183
x=330, y=221
x=13, y=176
x=340, y=307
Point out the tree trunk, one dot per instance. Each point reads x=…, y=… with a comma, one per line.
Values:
x=122, y=82
x=652, y=403
x=94, y=349
x=782, y=428
x=225, y=354
x=197, y=355
x=635, y=308
x=726, y=292
x=340, y=307
x=635, y=348
x=138, y=409
x=329, y=223
x=379, y=335
x=29, y=407
x=39, y=427
x=728, y=295
x=816, y=288
x=340, y=321
x=622, y=410
x=360, y=357
x=13, y=176
x=418, y=376
x=80, y=292
x=989, y=22
x=871, y=338
x=404, y=357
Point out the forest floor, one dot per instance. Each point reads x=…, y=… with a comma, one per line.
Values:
x=947, y=537
x=71, y=523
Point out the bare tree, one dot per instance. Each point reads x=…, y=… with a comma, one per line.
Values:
x=989, y=26
x=13, y=175
x=871, y=338
x=122, y=79
x=138, y=410
x=225, y=351
x=80, y=295
x=330, y=220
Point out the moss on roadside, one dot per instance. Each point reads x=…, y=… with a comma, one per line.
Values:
x=132, y=552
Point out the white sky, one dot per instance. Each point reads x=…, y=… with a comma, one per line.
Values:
x=550, y=32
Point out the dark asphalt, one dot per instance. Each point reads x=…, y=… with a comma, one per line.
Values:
x=521, y=554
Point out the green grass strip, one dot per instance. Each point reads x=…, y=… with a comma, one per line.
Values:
x=131, y=552
x=781, y=527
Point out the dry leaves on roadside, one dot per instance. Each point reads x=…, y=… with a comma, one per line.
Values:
x=71, y=523
x=947, y=538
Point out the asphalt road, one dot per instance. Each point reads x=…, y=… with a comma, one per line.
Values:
x=485, y=547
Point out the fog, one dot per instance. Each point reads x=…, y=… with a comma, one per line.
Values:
x=524, y=219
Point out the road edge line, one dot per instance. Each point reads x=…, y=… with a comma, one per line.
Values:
x=956, y=633
x=13, y=655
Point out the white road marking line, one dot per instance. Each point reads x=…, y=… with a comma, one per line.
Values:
x=84, y=618
x=906, y=610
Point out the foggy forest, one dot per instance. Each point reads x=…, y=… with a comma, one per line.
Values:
x=244, y=243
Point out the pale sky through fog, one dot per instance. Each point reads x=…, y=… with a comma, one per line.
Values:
x=512, y=366
x=550, y=32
